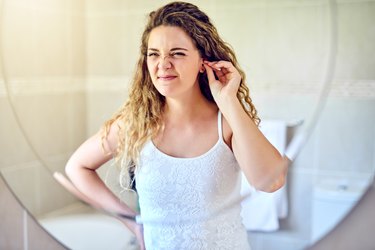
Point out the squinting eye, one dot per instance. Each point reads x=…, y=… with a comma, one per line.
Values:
x=178, y=54
x=152, y=54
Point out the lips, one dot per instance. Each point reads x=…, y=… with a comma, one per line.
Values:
x=166, y=77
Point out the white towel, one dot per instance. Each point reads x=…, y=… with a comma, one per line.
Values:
x=261, y=211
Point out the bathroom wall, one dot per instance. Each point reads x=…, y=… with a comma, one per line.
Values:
x=43, y=72
x=89, y=53
x=343, y=142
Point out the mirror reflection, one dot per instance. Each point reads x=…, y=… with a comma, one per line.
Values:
x=67, y=66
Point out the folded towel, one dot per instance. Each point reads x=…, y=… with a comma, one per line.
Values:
x=260, y=211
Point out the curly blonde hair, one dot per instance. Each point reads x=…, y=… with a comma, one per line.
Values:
x=141, y=116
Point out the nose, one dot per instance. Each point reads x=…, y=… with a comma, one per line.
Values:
x=164, y=62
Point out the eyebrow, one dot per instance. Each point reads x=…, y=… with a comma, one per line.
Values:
x=173, y=49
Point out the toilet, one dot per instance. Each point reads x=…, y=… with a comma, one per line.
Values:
x=333, y=198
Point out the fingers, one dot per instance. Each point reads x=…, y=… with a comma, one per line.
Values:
x=224, y=70
x=210, y=73
x=225, y=66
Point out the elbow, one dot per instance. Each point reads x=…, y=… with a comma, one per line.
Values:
x=275, y=185
x=75, y=170
x=274, y=180
x=269, y=186
x=70, y=169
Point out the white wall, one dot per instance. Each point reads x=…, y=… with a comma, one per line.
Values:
x=69, y=72
x=43, y=71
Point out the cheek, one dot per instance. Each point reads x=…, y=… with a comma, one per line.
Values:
x=193, y=70
x=148, y=63
x=151, y=68
x=188, y=67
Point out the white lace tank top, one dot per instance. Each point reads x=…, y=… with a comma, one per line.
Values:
x=179, y=193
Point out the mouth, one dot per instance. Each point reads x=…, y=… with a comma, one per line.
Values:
x=166, y=77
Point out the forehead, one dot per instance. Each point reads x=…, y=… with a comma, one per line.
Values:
x=164, y=37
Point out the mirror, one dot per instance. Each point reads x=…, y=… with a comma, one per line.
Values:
x=65, y=67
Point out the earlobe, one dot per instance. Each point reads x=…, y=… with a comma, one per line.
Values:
x=202, y=69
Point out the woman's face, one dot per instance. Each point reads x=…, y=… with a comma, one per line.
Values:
x=173, y=61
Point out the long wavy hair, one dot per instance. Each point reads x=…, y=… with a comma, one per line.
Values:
x=141, y=116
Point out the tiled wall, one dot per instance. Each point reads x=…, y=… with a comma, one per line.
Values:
x=69, y=71
x=42, y=81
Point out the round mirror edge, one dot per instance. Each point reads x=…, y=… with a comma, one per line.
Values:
x=51, y=239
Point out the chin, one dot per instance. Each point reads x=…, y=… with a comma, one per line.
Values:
x=168, y=94
x=164, y=92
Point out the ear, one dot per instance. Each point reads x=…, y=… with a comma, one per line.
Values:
x=202, y=68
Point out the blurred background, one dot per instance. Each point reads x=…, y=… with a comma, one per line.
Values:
x=65, y=69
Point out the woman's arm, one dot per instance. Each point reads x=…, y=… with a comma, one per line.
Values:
x=81, y=169
x=260, y=161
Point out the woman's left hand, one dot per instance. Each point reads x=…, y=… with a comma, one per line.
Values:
x=226, y=83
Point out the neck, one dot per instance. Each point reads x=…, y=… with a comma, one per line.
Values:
x=187, y=108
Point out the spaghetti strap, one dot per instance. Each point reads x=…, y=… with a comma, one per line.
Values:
x=219, y=125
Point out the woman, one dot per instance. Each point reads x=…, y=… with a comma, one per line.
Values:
x=186, y=132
